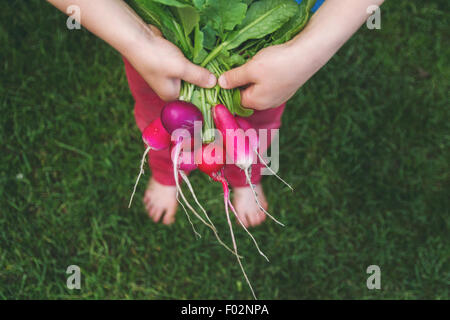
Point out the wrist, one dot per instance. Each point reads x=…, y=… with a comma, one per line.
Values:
x=306, y=57
x=313, y=47
x=139, y=40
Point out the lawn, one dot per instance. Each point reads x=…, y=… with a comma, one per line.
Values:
x=365, y=143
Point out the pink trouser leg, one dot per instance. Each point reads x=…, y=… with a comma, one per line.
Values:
x=148, y=107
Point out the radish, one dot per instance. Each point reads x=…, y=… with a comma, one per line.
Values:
x=226, y=198
x=240, y=146
x=156, y=138
x=245, y=125
x=211, y=163
x=210, y=158
x=180, y=115
x=180, y=118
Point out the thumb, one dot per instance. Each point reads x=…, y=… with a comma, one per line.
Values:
x=197, y=75
x=237, y=77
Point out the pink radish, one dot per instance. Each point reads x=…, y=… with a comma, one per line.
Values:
x=180, y=119
x=226, y=198
x=245, y=125
x=211, y=163
x=156, y=138
x=210, y=158
x=185, y=161
x=180, y=115
x=239, y=146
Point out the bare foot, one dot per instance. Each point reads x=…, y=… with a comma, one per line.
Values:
x=160, y=201
x=247, y=209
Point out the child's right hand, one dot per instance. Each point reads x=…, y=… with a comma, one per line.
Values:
x=158, y=61
x=163, y=66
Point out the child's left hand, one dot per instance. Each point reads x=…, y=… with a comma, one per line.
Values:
x=272, y=76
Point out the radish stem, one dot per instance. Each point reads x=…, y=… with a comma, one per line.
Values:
x=141, y=172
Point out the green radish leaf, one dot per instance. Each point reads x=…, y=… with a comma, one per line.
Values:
x=155, y=14
x=189, y=18
x=199, y=52
x=225, y=14
x=238, y=108
x=196, y=99
x=210, y=37
x=174, y=3
x=231, y=60
x=199, y=4
x=263, y=18
x=294, y=25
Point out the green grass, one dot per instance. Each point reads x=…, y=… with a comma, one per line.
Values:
x=365, y=144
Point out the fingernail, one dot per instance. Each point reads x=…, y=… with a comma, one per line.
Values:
x=223, y=81
x=212, y=80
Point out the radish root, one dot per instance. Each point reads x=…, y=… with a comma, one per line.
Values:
x=271, y=171
x=226, y=198
x=189, y=218
x=216, y=233
x=251, y=236
x=180, y=191
x=249, y=181
x=141, y=172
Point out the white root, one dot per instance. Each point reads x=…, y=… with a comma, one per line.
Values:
x=273, y=172
x=251, y=236
x=235, y=249
x=141, y=172
x=187, y=215
x=177, y=183
x=216, y=233
x=249, y=181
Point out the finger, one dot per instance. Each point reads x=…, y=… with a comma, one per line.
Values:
x=237, y=77
x=167, y=89
x=248, y=97
x=254, y=97
x=198, y=75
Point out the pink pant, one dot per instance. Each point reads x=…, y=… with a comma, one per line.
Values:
x=148, y=107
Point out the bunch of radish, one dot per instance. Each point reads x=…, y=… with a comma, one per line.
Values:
x=232, y=143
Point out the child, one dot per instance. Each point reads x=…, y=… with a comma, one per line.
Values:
x=155, y=68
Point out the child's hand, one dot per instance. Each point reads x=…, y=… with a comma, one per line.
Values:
x=276, y=73
x=271, y=77
x=163, y=66
x=158, y=61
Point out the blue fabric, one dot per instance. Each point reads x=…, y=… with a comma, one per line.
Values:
x=316, y=5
